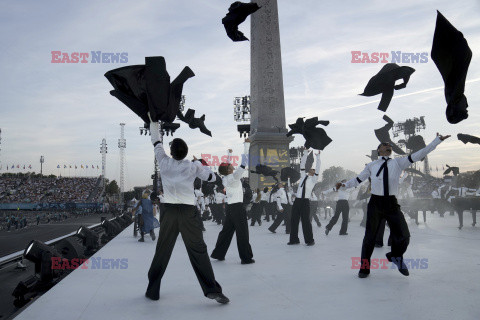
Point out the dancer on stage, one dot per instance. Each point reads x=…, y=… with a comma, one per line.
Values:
x=236, y=216
x=385, y=174
x=301, y=205
x=264, y=203
x=255, y=211
x=178, y=175
x=342, y=207
x=281, y=206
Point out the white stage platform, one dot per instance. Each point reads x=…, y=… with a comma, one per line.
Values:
x=286, y=282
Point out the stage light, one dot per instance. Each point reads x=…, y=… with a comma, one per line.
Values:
x=41, y=254
x=89, y=239
x=111, y=229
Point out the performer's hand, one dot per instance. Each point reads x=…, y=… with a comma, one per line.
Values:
x=247, y=140
x=338, y=185
x=281, y=211
x=230, y=150
x=194, y=158
x=443, y=137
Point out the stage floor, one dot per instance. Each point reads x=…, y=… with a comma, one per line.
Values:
x=286, y=282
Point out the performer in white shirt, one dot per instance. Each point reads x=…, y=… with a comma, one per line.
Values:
x=264, y=203
x=255, y=211
x=301, y=205
x=313, y=209
x=199, y=207
x=342, y=207
x=385, y=174
x=281, y=207
x=178, y=175
x=236, y=216
x=217, y=206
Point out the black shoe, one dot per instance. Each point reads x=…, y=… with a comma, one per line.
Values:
x=203, y=229
x=319, y=225
x=363, y=274
x=219, y=259
x=152, y=296
x=343, y=234
x=141, y=240
x=473, y=224
x=219, y=297
x=293, y=242
x=152, y=234
x=402, y=268
x=248, y=262
x=272, y=231
x=327, y=231
x=310, y=243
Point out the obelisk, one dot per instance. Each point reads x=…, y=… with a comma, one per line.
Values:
x=269, y=145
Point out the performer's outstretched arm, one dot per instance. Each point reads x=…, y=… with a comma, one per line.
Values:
x=405, y=162
x=237, y=174
x=302, y=163
x=317, y=167
x=359, y=179
x=157, y=141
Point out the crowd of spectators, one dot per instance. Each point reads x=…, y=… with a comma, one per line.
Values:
x=34, y=189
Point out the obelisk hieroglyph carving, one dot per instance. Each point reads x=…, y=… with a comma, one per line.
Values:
x=267, y=127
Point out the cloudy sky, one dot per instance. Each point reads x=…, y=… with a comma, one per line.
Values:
x=62, y=111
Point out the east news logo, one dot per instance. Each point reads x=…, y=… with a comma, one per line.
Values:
x=395, y=56
x=92, y=57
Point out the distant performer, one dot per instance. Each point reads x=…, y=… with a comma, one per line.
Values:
x=236, y=216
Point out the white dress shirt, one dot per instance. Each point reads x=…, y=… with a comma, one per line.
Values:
x=264, y=196
x=342, y=194
x=313, y=197
x=178, y=176
x=310, y=180
x=219, y=197
x=199, y=200
x=281, y=198
x=395, y=168
x=232, y=182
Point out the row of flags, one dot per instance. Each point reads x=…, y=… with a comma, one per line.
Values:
x=75, y=167
x=18, y=166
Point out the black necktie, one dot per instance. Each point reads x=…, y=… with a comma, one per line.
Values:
x=288, y=199
x=384, y=167
x=303, y=186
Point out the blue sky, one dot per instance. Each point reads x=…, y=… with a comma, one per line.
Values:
x=63, y=111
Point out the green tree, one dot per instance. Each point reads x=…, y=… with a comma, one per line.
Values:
x=112, y=188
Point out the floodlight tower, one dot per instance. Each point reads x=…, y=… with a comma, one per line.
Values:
x=242, y=113
x=410, y=128
x=122, y=144
x=103, y=151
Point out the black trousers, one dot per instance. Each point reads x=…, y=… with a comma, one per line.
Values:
x=301, y=211
x=380, y=234
x=386, y=208
x=263, y=208
x=235, y=222
x=256, y=214
x=343, y=208
x=181, y=218
x=281, y=216
x=313, y=212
